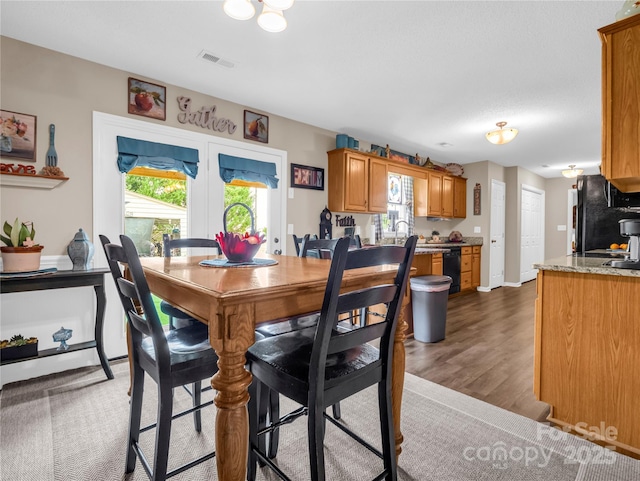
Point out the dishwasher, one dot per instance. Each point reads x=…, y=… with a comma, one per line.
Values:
x=451, y=268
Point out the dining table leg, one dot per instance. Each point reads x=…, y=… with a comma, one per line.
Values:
x=397, y=380
x=231, y=383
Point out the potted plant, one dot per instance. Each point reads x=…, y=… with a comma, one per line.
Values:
x=20, y=254
x=18, y=347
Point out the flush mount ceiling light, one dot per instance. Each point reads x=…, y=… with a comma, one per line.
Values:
x=271, y=19
x=502, y=135
x=572, y=172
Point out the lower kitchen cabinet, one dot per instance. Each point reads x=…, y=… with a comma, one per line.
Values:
x=465, y=268
x=475, y=266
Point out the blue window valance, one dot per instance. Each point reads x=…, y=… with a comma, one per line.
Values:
x=248, y=170
x=139, y=153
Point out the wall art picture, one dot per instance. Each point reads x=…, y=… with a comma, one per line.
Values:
x=256, y=127
x=17, y=135
x=147, y=99
x=305, y=177
x=395, y=189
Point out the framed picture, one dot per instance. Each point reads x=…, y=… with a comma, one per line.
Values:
x=147, y=99
x=306, y=177
x=395, y=189
x=17, y=135
x=256, y=127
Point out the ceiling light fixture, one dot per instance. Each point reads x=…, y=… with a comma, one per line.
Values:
x=502, y=135
x=271, y=19
x=572, y=172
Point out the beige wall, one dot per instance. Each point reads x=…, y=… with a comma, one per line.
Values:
x=557, y=200
x=65, y=90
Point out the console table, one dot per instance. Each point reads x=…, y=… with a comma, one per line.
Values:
x=62, y=280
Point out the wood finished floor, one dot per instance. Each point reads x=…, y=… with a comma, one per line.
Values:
x=487, y=352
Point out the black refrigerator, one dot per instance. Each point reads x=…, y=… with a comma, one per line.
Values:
x=596, y=224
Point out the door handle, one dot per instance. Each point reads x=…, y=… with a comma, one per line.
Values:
x=493, y=241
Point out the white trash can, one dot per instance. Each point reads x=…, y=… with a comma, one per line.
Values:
x=429, y=296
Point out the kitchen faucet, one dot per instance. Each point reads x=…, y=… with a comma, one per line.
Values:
x=396, y=229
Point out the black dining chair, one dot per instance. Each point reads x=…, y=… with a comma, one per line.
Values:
x=297, y=241
x=318, y=367
x=168, y=246
x=171, y=358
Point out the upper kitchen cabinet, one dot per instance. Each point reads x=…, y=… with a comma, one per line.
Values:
x=447, y=195
x=358, y=182
x=459, y=198
x=621, y=103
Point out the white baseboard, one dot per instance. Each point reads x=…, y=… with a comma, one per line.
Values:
x=483, y=289
x=512, y=284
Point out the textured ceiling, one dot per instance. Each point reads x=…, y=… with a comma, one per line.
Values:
x=411, y=74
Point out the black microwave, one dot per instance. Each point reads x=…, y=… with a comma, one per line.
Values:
x=625, y=200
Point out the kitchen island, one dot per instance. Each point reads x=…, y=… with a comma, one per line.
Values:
x=587, y=349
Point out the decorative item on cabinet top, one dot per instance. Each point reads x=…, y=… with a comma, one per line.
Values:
x=454, y=169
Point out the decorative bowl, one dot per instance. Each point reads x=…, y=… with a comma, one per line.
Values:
x=238, y=248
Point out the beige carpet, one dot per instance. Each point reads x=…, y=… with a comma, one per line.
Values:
x=73, y=426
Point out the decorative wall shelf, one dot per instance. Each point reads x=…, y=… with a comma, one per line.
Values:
x=29, y=180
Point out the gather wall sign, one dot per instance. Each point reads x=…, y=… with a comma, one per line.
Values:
x=205, y=117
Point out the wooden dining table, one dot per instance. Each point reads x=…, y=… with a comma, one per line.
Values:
x=232, y=301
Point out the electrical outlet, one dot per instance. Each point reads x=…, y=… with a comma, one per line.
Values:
x=562, y=227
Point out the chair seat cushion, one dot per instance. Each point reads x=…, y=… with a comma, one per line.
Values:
x=289, y=325
x=173, y=311
x=289, y=354
x=183, y=342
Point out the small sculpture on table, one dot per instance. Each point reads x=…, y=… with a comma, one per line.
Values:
x=62, y=336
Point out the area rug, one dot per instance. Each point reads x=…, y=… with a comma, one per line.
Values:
x=73, y=426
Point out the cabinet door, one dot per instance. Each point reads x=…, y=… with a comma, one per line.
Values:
x=475, y=267
x=447, y=196
x=436, y=264
x=459, y=197
x=621, y=103
x=356, y=184
x=434, y=202
x=420, y=197
x=378, y=174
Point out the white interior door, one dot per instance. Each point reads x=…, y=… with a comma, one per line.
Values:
x=531, y=231
x=496, y=248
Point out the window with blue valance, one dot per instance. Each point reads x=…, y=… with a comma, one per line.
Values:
x=248, y=170
x=139, y=153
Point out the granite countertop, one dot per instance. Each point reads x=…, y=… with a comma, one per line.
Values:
x=586, y=265
x=467, y=241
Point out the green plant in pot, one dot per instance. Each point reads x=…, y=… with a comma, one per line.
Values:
x=21, y=253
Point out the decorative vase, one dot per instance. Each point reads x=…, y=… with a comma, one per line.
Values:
x=80, y=251
x=21, y=259
x=629, y=8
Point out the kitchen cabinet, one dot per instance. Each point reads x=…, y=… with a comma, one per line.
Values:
x=465, y=268
x=436, y=264
x=459, y=198
x=586, y=339
x=358, y=182
x=446, y=195
x=420, y=195
x=621, y=103
x=475, y=266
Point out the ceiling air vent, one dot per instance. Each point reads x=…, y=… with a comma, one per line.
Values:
x=216, y=60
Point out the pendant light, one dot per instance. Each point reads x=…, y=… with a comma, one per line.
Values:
x=572, y=172
x=271, y=19
x=239, y=9
x=502, y=135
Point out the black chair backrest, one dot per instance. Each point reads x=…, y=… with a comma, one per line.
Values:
x=319, y=248
x=168, y=244
x=330, y=341
x=134, y=293
x=297, y=241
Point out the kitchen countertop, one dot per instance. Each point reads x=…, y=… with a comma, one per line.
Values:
x=586, y=265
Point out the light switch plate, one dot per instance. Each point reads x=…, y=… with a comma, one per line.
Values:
x=476, y=229
x=290, y=192
x=562, y=227
x=290, y=229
